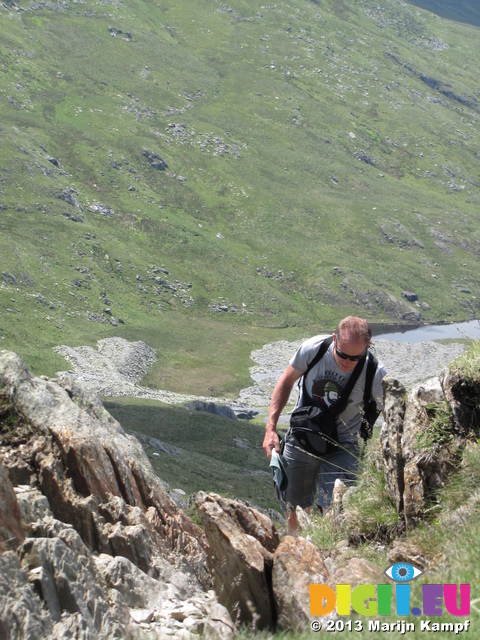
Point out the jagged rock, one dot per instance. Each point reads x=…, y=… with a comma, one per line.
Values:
x=11, y=530
x=296, y=564
x=241, y=544
x=463, y=396
x=391, y=439
x=357, y=571
x=21, y=612
x=211, y=407
x=421, y=470
x=218, y=624
x=33, y=505
x=403, y=551
x=418, y=454
x=68, y=581
x=68, y=196
x=121, y=574
x=93, y=482
x=155, y=161
x=95, y=493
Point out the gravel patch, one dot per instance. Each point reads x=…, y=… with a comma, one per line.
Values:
x=116, y=366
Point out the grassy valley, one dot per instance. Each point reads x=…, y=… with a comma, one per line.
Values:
x=210, y=177
x=210, y=453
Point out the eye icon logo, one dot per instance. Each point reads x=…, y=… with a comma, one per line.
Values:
x=402, y=572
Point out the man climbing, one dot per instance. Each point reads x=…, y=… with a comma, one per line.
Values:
x=327, y=365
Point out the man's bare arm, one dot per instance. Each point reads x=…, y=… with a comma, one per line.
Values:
x=280, y=397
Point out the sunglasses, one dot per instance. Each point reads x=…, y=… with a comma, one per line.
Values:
x=344, y=356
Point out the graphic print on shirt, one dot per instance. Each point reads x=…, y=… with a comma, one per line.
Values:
x=327, y=390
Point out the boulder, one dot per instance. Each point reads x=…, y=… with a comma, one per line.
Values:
x=155, y=161
x=11, y=530
x=212, y=407
x=391, y=440
x=357, y=571
x=297, y=563
x=241, y=543
x=410, y=296
x=421, y=444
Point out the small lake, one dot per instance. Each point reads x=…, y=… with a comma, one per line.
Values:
x=426, y=333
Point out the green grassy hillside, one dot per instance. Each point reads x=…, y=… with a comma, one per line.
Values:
x=208, y=177
x=211, y=453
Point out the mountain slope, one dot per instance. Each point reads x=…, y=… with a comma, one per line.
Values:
x=200, y=174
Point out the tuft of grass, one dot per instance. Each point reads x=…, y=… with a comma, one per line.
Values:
x=468, y=364
x=439, y=431
x=13, y=429
x=369, y=513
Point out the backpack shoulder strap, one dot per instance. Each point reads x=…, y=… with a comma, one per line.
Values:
x=372, y=365
x=341, y=403
x=370, y=410
x=324, y=346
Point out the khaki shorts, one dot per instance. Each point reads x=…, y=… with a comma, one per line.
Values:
x=307, y=473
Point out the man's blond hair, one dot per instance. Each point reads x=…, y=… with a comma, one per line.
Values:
x=354, y=328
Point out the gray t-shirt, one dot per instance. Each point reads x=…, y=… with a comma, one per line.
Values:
x=326, y=381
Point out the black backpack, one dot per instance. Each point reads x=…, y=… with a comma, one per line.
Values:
x=370, y=409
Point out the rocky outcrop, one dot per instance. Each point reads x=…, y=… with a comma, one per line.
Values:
x=423, y=437
x=264, y=583
x=297, y=563
x=11, y=531
x=91, y=537
x=241, y=544
x=211, y=407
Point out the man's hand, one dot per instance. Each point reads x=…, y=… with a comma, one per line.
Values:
x=271, y=442
x=280, y=397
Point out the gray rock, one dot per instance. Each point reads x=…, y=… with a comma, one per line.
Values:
x=155, y=161
x=67, y=582
x=418, y=456
x=410, y=296
x=391, y=439
x=212, y=407
x=11, y=530
x=297, y=563
x=241, y=543
x=21, y=612
x=95, y=493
